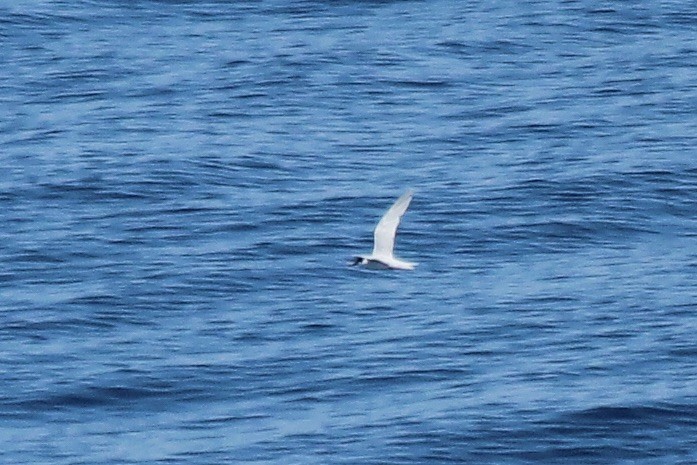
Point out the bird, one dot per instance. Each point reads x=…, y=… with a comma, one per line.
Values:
x=383, y=257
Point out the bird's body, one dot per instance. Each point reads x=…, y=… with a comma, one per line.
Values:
x=384, y=238
x=383, y=263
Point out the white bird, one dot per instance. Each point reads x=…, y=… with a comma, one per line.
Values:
x=383, y=246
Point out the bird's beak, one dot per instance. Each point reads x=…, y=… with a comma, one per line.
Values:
x=356, y=261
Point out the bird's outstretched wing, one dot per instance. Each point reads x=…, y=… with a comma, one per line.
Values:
x=386, y=229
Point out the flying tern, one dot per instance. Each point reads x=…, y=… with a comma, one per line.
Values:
x=383, y=245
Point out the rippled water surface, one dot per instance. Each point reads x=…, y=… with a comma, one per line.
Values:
x=183, y=183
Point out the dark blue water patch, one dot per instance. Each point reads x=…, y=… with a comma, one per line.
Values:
x=44, y=329
x=152, y=397
x=600, y=434
x=604, y=429
x=185, y=182
x=603, y=420
x=92, y=398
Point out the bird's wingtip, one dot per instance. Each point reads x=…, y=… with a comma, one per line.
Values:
x=408, y=193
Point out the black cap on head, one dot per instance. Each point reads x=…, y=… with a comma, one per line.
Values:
x=356, y=261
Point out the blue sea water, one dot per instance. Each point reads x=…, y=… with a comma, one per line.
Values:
x=182, y=185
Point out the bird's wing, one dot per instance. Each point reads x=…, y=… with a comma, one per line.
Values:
x=386, y=229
